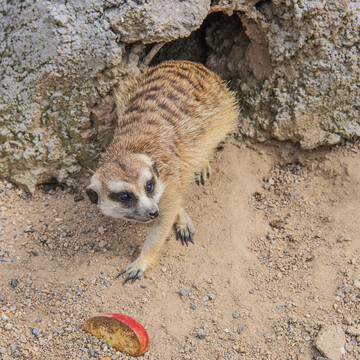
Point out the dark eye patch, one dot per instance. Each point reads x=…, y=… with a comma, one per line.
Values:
x=123, y=197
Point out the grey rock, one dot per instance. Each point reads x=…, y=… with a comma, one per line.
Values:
x=184, y=292
x=53, y=69
x=235, y=314
x=78, y=198
x=307, y=65
x=193, y=306
x=13, y=348
x=201, y=334
x=8, y=326
x=157, y=21
x=36, y=332
x=294, y=65
x=331, y=342
x=353, y=331
x=357, y=284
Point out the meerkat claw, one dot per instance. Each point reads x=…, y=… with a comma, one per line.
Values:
x=191, y=237
x=120, y=273
x=185, y=236
x=133, y=277
x=201, y=175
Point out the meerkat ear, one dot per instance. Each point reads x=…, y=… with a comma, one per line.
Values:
x=155, y=169
x=93, y=196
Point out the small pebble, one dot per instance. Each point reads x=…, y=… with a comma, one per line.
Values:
x=235, y=314
x=36, y=332
x=35, y=253
x=78, y=198
x=292, y=194
x=357, y=284
x=239, y=330
x=24, y=195
x=101, y=230
x=251, y=291
x=201, y=334
x=184, y=292
x=2, y=351
x=13, y=283
x=192, y=306
x=8, y=326
x=143, y=286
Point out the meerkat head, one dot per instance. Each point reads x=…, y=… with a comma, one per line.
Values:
x=127, y=187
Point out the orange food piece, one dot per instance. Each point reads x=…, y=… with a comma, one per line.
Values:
x=120, y=331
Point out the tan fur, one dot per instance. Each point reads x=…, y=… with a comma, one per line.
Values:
x=174, y=115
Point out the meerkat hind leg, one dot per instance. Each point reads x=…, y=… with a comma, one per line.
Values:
x=185, y=229
x=203, y=173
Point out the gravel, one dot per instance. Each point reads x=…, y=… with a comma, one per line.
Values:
x=36, y=332
x=201, y=334
x=184, y=292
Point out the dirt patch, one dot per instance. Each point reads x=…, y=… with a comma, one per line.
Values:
x=276, y=257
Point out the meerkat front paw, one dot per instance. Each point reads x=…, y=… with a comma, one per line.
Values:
x=200, y=176
x=185, y=229
x=135, y=270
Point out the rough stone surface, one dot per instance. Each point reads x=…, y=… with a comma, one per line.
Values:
x=296, y=67
x=155, y=21
x=58, y=60
x=331, y=341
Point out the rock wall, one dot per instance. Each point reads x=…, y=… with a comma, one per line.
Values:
x=295, y=65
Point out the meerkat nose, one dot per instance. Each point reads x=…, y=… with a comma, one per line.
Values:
x=154, y=214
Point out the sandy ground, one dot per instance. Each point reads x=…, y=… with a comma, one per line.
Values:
x=276, y=259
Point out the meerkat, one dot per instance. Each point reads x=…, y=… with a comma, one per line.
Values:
x=171, y=119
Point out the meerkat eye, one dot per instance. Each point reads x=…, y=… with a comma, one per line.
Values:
x=121, y=197
x=150, y=186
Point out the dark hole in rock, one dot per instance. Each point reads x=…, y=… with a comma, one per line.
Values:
x=234, y=47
